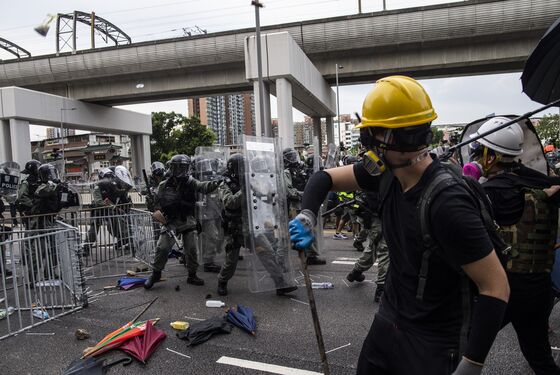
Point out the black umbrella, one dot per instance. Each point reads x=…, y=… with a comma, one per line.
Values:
x=541, y=74
x=200, y=332
x=93, y=366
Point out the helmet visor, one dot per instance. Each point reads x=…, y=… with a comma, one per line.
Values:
x=123, y=177
x=179, y=170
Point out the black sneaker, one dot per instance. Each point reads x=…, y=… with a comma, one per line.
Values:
x=195, y=280
x=355, y=276
x=359, y=246
x=378, y=292
x=212, y=267
x=154, y=278
x=222, y=288
x=316, y=261
x=282, y=291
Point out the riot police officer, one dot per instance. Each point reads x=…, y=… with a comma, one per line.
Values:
x=27, y=187
x=232, y=197
x=175, y=205
x=157, y=170
x=296, y=177
x=525, y=203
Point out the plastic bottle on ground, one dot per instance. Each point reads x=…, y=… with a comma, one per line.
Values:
x=213, y=303
x=325, y=285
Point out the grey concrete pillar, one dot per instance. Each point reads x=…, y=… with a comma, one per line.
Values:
x=285, y=112
x=141, y=158
x=20, y=141
x=259, y=128
x=317, y=132
x=330, y=130
x=5, y=145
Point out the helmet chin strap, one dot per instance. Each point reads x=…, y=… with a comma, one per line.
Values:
x=410, y=162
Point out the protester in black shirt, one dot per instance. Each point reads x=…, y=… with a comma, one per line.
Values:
x=412, y=334
x=525, y=202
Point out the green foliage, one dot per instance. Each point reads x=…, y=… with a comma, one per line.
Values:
x=438, y=136
x=548, y=129
x=173, y=133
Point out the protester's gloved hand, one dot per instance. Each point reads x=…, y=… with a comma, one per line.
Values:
x=301, y=230
x=467, y=367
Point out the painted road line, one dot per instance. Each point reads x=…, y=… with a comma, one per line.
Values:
x=343, y=262
x=266, y=367
x=343, y=258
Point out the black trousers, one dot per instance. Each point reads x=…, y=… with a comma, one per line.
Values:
x=390, y=350
x=529, y=307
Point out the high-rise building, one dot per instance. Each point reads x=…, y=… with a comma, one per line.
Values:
x=228, y=116
x=55, y=132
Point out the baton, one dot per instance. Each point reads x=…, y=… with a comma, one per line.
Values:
x=313, y=308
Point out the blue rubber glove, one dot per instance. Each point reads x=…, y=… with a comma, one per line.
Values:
x=301, y=230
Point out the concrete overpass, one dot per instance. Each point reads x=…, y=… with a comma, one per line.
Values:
x=465, y=38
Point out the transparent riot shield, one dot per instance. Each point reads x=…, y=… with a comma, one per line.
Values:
x=9, y=181
x=319, y=245
x=209, y=166
x=332, y=157
x=266, y=217
x=533, y=153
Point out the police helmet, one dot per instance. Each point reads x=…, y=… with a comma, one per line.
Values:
x=179, y=166
x=123, y=178
x=31, y=167
x=291, y=157
x=105, y=173
x=47, y=172
x=158, y=169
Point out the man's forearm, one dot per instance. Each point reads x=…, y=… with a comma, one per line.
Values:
x=316, y=191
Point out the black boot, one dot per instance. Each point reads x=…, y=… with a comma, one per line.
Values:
x=359, y=246
x=222, y=288
x=379, y=292
x=315, y=261
x=355, y=275
x=212, y=267
x=286, y=290
x=154, y=278
x=194, y=280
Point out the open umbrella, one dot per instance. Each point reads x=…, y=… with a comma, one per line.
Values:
x=243, y=318
x=93, y=366
x=116, y=338
x=142, y=347
x=200, y=332
x=127, y=283
x=541, y=74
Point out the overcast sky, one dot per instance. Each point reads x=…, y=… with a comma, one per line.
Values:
x=456, y=100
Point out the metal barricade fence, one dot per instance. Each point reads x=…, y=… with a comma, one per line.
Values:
x=40, y=274
x=114, y=238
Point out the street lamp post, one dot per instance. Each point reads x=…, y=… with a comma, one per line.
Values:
x=337, y=68
x=62, y=139
x=265, y=127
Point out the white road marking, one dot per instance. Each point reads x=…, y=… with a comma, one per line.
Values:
x=345, y=283
x=297, y=300
x=181, y=354
x=340, y=347
x=266, y=367
x=343, y=258
x=343, y=262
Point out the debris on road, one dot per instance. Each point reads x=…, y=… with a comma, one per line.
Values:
x=81, y=334
x=242, y=317
x=181, y=354
x=214, y=303
x=143, y=346
x=201, y=332
x=127, y=283
x=179, y=325
x=325, y=285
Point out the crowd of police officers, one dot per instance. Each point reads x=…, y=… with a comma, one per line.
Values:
x=466, y=259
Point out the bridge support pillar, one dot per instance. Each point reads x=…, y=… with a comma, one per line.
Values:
x=259, y=128
x=15, y=143
x=140, y=153
x=330, y=130
x=317, y=133
x=285, y=114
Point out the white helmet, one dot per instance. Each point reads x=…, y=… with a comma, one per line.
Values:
x=507, y=141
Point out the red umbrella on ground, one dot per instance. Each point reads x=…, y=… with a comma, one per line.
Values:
x=142, y=347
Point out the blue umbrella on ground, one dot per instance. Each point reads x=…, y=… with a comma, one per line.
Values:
x=243, y=318
x=127, y=283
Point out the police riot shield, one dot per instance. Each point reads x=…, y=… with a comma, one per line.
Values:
x=318, y=233
x=332, y=157
x=533, y=153
x=209, y=164
x=9, y=181
x=266, y=216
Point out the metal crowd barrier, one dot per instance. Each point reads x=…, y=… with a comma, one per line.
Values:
x=40, y=274
x=114, y=238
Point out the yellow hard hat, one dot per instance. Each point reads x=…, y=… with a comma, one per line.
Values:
x=397, y=102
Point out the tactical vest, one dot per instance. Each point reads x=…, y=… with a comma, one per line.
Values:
x=177, y=201
x=299, y=179
x=237, y=213
x=532, y=239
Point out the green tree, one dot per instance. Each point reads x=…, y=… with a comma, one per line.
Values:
x=173, y=133
x=548, y=129
x=438, y=136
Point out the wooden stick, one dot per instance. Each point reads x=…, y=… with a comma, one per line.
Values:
x=144, y=310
